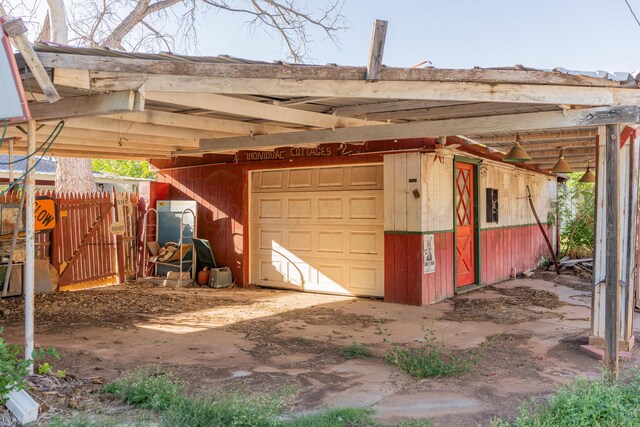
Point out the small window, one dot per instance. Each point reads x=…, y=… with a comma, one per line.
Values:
x=492, y=205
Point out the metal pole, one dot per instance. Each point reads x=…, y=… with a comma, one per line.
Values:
x=612, y=275
x=11, y=179
x=29, y=262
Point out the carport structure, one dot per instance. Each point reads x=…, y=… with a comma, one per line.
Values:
x=167, y=107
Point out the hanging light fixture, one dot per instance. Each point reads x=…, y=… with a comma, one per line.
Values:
x=517, y=153
x=561, y=166
x=588, y=175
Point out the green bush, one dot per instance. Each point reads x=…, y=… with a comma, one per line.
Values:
x=575, y=207
x=14, y=368
x=356, y=351
x=429, y=360
x=583, y=403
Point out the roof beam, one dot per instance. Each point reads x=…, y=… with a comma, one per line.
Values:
x=463, y=91
x=242, y=107
x=555, y=153
x=536, y=137
x=91, y=105
x=123, y=127
x=555, y=145
x=190, y=121
x=513, y=122
x=378, y=107
x=110, y=137
x=473, y=109
x=312, y=72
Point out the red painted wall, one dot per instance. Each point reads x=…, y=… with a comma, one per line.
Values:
x=404, y=281
x=508, y=251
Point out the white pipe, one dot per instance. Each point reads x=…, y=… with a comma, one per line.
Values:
x=11, y=179
x=29, y=262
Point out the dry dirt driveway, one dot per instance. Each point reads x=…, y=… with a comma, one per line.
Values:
x=258, y=340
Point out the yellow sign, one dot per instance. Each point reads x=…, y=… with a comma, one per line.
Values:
x=45, y=214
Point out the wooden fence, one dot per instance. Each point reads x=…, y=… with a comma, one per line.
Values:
x=83, y=249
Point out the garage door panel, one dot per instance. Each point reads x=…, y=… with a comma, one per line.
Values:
x=327, y=238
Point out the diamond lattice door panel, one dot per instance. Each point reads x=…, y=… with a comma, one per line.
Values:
x=318, y=229
x=465, y=224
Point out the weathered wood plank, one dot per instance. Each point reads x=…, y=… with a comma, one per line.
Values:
x=573, y=118
x=303, y=72
x=91, y=105
x=245, y=108
x=376, y=51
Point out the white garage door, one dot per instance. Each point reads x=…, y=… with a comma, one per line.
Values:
x=318, y=229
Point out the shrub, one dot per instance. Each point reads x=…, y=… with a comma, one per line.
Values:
x=356, y=351
x=428, y=360
x=14, y=368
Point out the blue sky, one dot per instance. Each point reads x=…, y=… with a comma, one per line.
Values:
x=574, y=34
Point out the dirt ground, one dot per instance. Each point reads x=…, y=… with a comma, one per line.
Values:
x=527, y=332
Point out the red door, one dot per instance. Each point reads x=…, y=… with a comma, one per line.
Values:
x=465, y=225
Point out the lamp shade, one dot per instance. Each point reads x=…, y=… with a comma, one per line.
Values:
x=517, y=153
x=561, y=165
x=588, y=176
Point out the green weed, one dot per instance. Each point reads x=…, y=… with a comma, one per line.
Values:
x=162, y=393
x=361, y=417
x=44, y=368
x=583, y=403
x=429, y=360
x=356, y=351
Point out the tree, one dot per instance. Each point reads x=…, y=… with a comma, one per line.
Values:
x=154, y=25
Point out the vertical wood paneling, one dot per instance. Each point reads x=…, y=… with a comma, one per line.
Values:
x=401, y=278
x=389, y=267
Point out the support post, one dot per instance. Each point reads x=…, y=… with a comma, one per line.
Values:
x=612, y=297
x=29, y=263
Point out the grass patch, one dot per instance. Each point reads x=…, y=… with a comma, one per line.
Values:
x=356, y=351
x=162, y=393
x=361, y=417
x=429, y=360
x=583, y=403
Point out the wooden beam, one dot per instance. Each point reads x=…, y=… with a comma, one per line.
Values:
x=91, y=105
x=93, y=145
x=242, y=107
x=111, y=137
x=527, y=121
x=386, y=106
x=612, y=297
x=16, y=29
x=190, y=121
x=303, y=100
x=203, y=70
x=535, y=137
x=463, y=91
x=568, y=152
x=122, y=127
x=471, y=109
x=532, y=147
x=376, y=50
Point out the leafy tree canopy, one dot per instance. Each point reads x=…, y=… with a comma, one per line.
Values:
x=132, y=168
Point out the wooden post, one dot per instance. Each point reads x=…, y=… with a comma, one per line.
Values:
x=378, y=36
x=612, y=300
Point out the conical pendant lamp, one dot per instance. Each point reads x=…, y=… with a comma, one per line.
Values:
x=588, y=175
x=561, y=165
x=517, y=153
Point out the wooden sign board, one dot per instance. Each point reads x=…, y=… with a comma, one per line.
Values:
x=45, y=214
x=14, y=105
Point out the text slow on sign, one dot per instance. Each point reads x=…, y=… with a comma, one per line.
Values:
x=45, y=214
